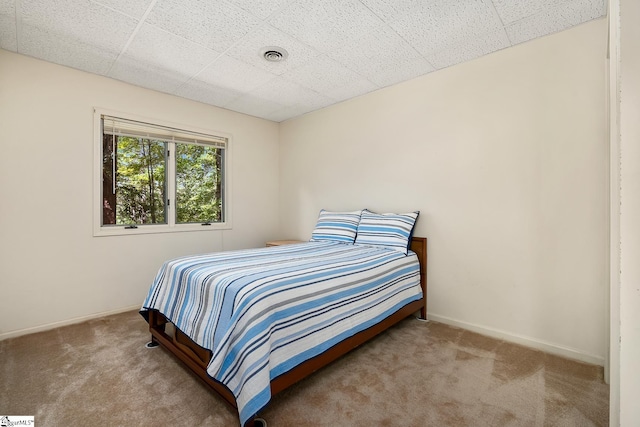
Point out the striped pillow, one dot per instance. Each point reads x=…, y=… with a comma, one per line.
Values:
x=388, y=230
x=336, y=226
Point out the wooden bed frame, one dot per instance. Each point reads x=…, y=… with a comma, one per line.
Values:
x=197, y=358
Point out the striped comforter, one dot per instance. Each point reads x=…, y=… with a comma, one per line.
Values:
x=264, y=311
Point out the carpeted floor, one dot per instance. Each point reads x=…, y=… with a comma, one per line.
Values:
x=416, y=374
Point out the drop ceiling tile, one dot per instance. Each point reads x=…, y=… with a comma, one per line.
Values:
x=547, y=21
x=351, y=90
x=408, y=70
x=432, y=26
x=210, y=50
x=274, y=98
x=254, y=106
x=304, y=109
x=261, y=8
x=289, y=112
x=389, y=10
x=8, y=7
x=470, y=49
x=157, y=48
x=79, y=22
x=207, y=93
x=133, y=8
x=322, y=74
x=325, y=25
x=579, y=11
x=146, y=75
x=552, y=20
x=287, y=93
x=214, y=24
x=249, y=50
x=285, y=113
x=64, y=50
x=380, y=54
x=8, y=38
x=234, y=74
x=511, y=11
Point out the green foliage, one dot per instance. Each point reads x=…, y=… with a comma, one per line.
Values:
x=140, y=182
x=197, y=184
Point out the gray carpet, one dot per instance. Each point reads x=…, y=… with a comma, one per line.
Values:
x=415, y=374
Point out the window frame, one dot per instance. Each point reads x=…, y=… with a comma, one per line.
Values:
x=171, y=226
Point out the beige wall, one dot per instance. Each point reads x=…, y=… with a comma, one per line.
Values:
x=52, y=269
x=506, y=158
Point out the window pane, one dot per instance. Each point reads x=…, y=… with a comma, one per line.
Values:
x=198, y=183
x=139, y=192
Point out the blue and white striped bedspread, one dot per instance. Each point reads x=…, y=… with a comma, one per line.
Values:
x=264, y=311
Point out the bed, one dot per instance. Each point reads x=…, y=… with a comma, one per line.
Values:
x=251, y=323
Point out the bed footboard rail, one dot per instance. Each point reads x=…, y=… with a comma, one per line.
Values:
x=419, y=246
x=192, y=355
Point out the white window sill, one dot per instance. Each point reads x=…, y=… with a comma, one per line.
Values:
x=117, y=230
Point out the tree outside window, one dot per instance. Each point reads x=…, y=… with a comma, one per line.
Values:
x=139, y=160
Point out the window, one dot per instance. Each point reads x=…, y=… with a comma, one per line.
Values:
x=157, y=178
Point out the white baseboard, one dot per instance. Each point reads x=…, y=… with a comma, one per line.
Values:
x=495, y=333
x=54, y=325
x=522, y=340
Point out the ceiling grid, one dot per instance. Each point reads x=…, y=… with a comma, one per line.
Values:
x=211, y=52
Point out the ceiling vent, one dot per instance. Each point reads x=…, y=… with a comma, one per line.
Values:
x=274, y=53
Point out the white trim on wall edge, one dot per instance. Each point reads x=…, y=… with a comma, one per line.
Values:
x=73, y=321
x=522, y=340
